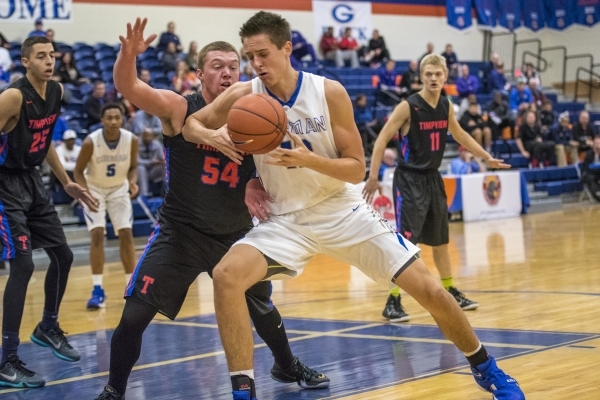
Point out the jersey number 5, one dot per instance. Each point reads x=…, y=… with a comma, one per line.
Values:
x=212, y=175
x=110, y=170
x=435, y=141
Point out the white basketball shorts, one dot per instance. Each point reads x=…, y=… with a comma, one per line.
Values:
x=114, y=200
x=343, y=227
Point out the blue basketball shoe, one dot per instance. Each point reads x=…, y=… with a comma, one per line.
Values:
x=492, y=379
x=242, y=395
x=97, y=300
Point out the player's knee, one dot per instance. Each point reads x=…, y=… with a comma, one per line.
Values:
x=22, y=266
x=432, y=294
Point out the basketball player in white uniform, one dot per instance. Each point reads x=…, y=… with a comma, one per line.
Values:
x=314, y=209
x=107, y=167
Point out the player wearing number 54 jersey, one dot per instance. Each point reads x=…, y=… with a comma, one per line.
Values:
x=107, y=166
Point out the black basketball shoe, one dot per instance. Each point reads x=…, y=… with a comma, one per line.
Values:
x=305, y=376
x=463, y=302
x=109, y=394
x=393, y=310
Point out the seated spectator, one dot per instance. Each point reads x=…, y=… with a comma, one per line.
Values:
x=50, y=36
x=427, y=52
x=349, y=46
x=145, y=76
x=498, y=80
x=562, y=135
x=330, y=47
x=486, y=73
x=67, y=71
x=499, y=116
x=169, y=37
x=530, y=73
x=60, y=128
x=538, y=96
x=472, y=122
x=94, y=102
x=143, y=122
x=520, y=97
x=464, y=106
x=583, y=131
x=411, y=80
x=389, y=90
x=367, y=125
x=68, y=151
x=466, y=163
x=376, y=52
x=389, y=160
x=6, y=65
x=247, y=74
x=170, y=59
x=4, y=42
x=185, y=81
x=39, y=28
x=451, y=63
x=151, y=162
x=590, y=170
x=301, y=48
x=531, y=142
x=547, y=116
x=467, y=84
x=191, y=58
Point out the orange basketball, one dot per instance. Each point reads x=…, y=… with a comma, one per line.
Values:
x=257, y=123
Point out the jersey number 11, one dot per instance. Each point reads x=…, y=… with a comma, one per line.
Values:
x=435, y=141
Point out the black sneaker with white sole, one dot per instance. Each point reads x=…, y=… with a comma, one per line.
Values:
x=14, y=374
x=393, y=310
x=55, y=339
x=305, y=376
x=463, y=302
x=109, y=394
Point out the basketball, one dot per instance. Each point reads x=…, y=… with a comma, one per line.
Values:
x=256, y=123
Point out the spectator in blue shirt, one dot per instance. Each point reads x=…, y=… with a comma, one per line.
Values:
x=367, y=125
x=389, y=89
x=39, y=29
x=59, y=129
x=562, y=136
x=498, y=80
x=301, y=48
x=168, y=37
x=451, y=63
x=520, y=97
x=467, y=84
x=389, y=160
x=466, y=163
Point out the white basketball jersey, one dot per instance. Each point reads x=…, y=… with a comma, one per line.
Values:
x=108, y=167
x=308, y=117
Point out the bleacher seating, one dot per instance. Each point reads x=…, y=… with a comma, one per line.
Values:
x=554, y=180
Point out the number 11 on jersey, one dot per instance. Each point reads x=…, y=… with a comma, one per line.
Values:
x=435, y=141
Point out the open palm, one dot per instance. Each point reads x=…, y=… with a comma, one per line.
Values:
x=134, y=43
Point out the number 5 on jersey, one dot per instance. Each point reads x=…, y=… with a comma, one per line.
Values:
x=110, y=170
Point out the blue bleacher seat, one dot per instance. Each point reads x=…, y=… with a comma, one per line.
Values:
x=65, y=48
x=75, y=124
x=15, y=45
x=156, y=68
x=100, y=46
x=77, y=46
x=107, y=76
x=159, y=80
x=171, y=75
x=84, y=55
x=76, y=106
x=15, y=54
x=106, y=65
x=90, y=74
x=105, y=54
x=87, y=63
x=162, y=86
x=150, y=63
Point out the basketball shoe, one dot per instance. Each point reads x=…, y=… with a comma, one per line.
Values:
x=240, y=395
x=109, y=394
x=55, y=339
x=393, y=310
x=492, y=379
x=463, y=302
x=97, y=300
x=14, y=374
x=306, y=377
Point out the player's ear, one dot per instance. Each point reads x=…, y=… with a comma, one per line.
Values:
x=287, y=47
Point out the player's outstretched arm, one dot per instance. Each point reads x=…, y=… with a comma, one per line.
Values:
x=132, y=175
x=466, y=140
x=397, y=119
x=10, y=108
x=207, y=126
x=165, y=104
x=350, y=167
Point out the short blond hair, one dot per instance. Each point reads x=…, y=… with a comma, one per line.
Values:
x=434, y=59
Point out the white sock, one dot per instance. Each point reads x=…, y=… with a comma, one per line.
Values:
x=127, y=278
x=97, y=279
x=474, y=351
x=249, y=373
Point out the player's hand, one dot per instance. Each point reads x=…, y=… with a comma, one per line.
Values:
x=257, y=199
x=82, y=195
x=134, y=43
x=298, y=156
x=221, y=141
x=371, y=185
x=496, y=163
x=134, y=189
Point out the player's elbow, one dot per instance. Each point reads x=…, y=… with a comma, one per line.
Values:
x=358, y=173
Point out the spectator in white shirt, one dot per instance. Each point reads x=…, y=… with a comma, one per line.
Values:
x=68, y=151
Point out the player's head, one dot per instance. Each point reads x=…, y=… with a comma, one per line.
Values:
x=111, y=116
x=267, y=43
x=218, y=68
x=433, y=72
x=37, y=56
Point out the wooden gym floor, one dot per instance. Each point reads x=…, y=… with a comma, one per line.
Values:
x=536, y=279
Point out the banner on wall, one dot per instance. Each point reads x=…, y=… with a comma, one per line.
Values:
x=491, y=195
x=341, y=15
x=509, y=14
x=459, y=13
x=27, y=11
x=587, y=12
x=560, y=14
x=533, y=14
x=487, y=14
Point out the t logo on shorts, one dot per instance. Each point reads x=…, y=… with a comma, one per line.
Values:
x=407, y=235
x=147, y=281
x=23, y=240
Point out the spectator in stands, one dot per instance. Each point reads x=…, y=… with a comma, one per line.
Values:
x=520, y=97
x=466, y=163
x=151, y=161
x=348, y=46
x=50, y=36
x=170, y=59
x=169, y=37
x=367, y=125
x=39, y=28
x=144, y=122
x=191, y=58
x=467, y=84
x=562, y=136
x=583, y=131
x=6, y=65
x=93, y=103
x=247, y=74
x=427, y=52
x=59, y=130
x=531, y=142
x=590, y=169
x=301, y=48
x=67, y=71
x=389, y=90
x=451, y=63
x=145, y=76
x=538, y=96
x=531, y=73
x=376, y=52
x=499, y=116
x=464, y=106
x=4, y=42
x=329, y=45
x=547, y=116
x=411, y=80
x=185, y=81
x=389, y=160
x=498, y=80
x=486, y=72
x=472, y=122
x=68, y=151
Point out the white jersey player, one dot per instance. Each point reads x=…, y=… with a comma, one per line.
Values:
x=107, y=166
